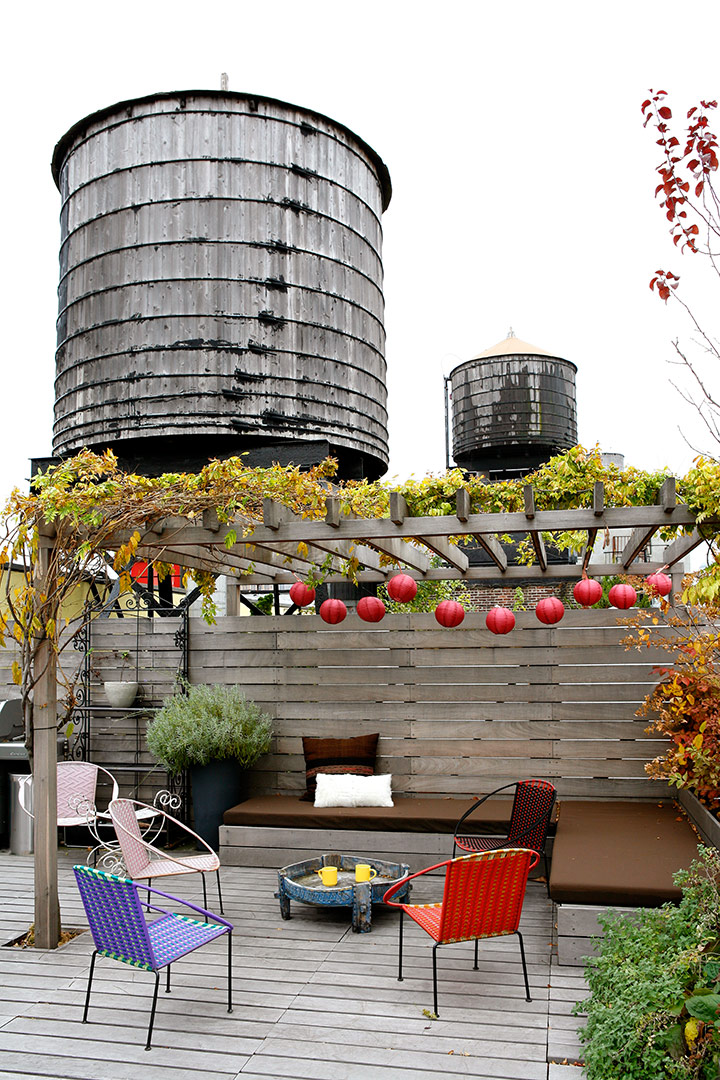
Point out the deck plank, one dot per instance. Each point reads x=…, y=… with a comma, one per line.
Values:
x=312, y=1000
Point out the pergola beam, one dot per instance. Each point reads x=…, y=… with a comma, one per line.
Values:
x=493, y=548
x=536, y=537
x=375, y=531
x=45, y=735
x=565, y=571
x=682, y=546
x=275, y=515
x=639, y=540
x=489, y=544
x=403, y=552
x=641, y=536
x=452, y=554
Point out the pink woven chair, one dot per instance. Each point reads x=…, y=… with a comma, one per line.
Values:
x=76, y=793
x=483, y=897
x=143, y=861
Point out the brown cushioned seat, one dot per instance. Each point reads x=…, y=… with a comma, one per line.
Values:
x=619, y=853
x=407, y=815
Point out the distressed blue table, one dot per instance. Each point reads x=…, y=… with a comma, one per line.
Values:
x=300, y=881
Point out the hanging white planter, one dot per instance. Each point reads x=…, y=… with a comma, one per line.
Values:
x=121, y=694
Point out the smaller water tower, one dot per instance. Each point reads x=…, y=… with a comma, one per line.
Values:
x=513, y=408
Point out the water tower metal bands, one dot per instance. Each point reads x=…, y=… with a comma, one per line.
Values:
x=220, y=284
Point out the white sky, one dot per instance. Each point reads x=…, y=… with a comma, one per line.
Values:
x=522, y=183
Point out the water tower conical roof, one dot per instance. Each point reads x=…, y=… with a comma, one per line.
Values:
x=513, y=346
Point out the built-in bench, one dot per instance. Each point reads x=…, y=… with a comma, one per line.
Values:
x=274, y=830
x=613, y=854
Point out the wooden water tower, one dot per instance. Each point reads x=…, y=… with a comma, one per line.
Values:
x=513, y=408
x=220, y=285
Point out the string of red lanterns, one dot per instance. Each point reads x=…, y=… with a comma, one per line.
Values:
x=499, y=620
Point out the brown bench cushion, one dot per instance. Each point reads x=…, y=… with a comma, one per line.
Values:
x=619, y=853
x=407, y=815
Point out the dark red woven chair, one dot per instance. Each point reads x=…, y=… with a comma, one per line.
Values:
x=482, y=898
x=529, y=821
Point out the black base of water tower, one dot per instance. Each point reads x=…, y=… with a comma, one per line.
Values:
x=154, y=456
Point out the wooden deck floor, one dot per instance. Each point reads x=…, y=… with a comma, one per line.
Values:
x=312, y=1000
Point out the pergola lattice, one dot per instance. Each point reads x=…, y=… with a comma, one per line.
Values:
x=287, y=546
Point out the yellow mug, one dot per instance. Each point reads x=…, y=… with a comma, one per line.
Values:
x=328, y=875
x=364, y=872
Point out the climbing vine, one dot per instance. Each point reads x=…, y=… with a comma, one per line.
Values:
x=99, y=514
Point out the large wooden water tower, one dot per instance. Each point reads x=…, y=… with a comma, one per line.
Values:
x=220, y=285
x=513, y=408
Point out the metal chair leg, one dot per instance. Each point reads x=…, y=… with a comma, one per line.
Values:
x=202, y=874
x=435, y=1001
x=522, y=954
x=167, y=981
x=222, y=911
x=475, y=965
x=400, y=945
x=89, y=985
x=229, y=937
x=152, y=1011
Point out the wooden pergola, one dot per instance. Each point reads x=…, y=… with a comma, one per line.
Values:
x=286, y=547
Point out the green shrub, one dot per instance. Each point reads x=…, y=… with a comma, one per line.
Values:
x=208, y=723
x=651, y=1014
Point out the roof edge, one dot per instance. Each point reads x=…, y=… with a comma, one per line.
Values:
x=509, y=357
x=63, y=145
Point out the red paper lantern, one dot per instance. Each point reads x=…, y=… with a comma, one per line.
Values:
x=370, y=608
x=449, y=613
x=660, y=584
x=332, y=611
x=402, y=588
x=301, y=594
x=550, y=610
x=587, y=592
x=622, y=596
x=500, y=620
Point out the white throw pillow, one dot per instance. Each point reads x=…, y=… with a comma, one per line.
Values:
x=344, y=789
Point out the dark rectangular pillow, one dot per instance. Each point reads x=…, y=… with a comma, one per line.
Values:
x=356, y=756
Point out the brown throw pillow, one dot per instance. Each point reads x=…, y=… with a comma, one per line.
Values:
x=356, y=756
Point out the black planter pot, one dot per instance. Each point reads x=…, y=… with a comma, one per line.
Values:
x=215, y=788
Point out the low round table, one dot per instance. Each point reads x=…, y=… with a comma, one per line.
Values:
x=302, y=882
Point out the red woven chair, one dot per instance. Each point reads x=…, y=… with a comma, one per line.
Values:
x=483, y=897
x=529, y=821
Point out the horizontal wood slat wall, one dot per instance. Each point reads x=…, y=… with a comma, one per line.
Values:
x=459, y=711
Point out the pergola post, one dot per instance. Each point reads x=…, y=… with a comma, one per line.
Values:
x=47, y=905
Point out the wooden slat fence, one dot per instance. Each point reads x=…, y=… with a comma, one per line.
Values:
x=459, y=711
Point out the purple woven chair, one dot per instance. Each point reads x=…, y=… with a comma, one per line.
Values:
x=121, y=931
x=529, y=821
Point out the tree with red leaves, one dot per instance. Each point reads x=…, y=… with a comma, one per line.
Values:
x=692, y=206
